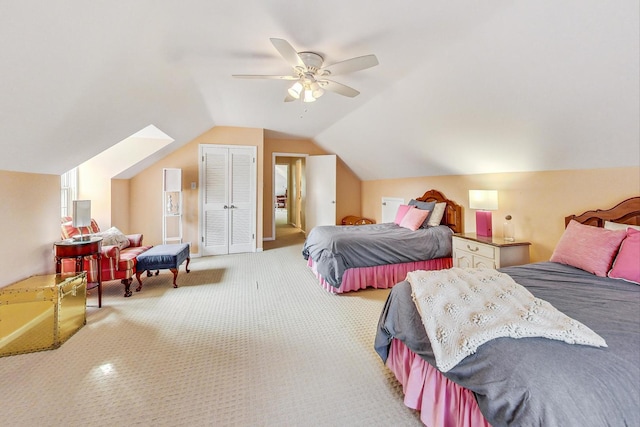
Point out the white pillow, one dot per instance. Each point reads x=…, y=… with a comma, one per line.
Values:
x=610, y=225
x=113, y=237
x=436, y=216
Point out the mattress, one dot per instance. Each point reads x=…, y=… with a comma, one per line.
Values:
x=537, y=381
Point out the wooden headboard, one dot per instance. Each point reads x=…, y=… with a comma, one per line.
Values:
x=452, y=214
x=626, y=212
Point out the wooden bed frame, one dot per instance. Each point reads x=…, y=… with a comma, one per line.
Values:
x=625, y=212
x=386, y=276
x=465, y=408
x=452, y=214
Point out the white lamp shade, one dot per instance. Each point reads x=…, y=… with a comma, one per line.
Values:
x=316, y=90
x=486, y=200
x=295, y=90
x=308, y=96
x=81, y=213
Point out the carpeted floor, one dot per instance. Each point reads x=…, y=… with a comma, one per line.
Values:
x=246, y=340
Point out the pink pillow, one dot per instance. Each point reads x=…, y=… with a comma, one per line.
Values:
x=588, y=248
x=402, y=211
x=627, y=263
x=414, y=218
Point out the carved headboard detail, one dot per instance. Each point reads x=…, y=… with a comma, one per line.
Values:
x=625, y=212
x=452, y=214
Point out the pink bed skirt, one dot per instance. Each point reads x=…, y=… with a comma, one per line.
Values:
x=381, y=276
x=441, y=402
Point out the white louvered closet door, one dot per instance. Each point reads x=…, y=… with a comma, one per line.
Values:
x=228, y=200
x=241, y=195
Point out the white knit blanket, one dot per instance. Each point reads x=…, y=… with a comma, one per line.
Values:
x=463, y=308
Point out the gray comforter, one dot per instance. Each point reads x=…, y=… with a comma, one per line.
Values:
x=540, y=382
x=334, y=249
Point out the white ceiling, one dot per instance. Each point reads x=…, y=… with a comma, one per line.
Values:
x=462, y=86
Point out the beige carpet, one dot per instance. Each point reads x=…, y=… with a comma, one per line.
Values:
x=246, y=340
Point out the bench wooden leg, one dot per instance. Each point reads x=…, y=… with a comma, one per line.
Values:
x=175, y=276
x=127, y=286
x=139, y=281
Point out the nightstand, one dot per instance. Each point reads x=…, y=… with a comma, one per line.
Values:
x=470, y=250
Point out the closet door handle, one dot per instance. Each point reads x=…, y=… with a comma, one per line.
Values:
x=232, y=207
x=226, y=207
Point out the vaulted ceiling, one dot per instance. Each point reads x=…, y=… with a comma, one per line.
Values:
x=462, y=86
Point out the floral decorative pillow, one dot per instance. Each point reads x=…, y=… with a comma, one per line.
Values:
x=113, y=237
x=588, y=248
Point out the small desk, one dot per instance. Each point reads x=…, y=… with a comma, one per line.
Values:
x=79, y=249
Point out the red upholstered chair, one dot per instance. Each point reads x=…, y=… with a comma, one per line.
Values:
x=116, y=263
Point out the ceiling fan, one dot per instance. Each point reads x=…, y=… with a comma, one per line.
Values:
x=311, y=78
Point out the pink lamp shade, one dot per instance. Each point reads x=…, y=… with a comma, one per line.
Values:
x=484, y=201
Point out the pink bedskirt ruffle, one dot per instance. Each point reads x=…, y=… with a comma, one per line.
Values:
x=441, y=402
x=380, y=276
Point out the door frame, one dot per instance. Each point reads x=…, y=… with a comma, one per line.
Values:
x=273, y=188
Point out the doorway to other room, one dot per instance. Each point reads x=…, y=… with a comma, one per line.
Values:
x=288, y=198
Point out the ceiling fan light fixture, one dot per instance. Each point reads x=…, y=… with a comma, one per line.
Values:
x=295, y=90
x=316, y=90
x=309, y=72
x=308, y=96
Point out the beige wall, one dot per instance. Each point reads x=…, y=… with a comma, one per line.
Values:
x=94, y=183
x=538, y=201
x=120, y=198
x=348, y=191
x=145, y=190
x=29, y=224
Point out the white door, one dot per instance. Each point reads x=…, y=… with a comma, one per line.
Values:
x=241, y=200
x=390, y=208
x=321, y=191
x=228, y=176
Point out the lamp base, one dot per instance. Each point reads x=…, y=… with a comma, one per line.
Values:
x=484, y=224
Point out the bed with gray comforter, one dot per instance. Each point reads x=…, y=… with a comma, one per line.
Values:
x=537, y=381
x=334, y=249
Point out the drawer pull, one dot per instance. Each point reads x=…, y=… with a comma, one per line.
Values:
x=476, y=249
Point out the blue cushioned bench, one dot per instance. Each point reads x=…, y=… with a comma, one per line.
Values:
x=162, y=257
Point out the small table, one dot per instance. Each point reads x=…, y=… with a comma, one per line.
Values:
x=161, y=257
x=78, y=249
x=473, y=251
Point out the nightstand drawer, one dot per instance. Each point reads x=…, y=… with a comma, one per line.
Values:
x=474, y=248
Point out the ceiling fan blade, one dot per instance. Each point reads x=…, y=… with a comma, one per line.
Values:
x=351, y=65
x=289, y=98
x=338, y=88
x=252, y=76
x=288, y=53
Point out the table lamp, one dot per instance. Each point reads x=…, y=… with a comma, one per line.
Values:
x=484, y=201
x=81, y=216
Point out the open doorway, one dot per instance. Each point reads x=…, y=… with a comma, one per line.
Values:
x=281, y=189
x=288, y=197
